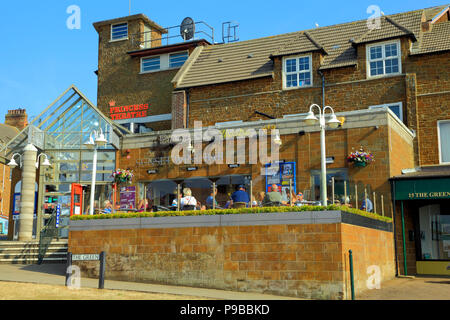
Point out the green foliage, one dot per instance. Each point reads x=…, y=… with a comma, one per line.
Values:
x=258, y=210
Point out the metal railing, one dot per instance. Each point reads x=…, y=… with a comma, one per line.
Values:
x=48, y=233
x=140, y=39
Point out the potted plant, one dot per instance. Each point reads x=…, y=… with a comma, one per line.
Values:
x=360, y=158
x=122, y=176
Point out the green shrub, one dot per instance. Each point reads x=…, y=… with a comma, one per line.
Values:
x=258, y=210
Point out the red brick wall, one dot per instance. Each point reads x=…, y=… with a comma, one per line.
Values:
x=369, y=247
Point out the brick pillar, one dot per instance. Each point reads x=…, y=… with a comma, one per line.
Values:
x=412, y=112
x=27, y=196
x=179, y=110
x=17, y=118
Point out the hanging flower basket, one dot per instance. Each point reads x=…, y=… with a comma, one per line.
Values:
x=359, y=164
x=360, y=158
x=123, y=176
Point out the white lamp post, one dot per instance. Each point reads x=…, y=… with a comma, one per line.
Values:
x=94, y=143
x=46, y=162
x=12, y=163
x=311, y=119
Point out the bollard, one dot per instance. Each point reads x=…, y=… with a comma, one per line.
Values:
x=68, y=265
x=101, y=277
x=352, y=281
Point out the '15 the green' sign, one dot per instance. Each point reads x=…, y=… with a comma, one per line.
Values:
x=422, y=189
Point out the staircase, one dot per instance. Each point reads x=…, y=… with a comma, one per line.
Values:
x=19, y=252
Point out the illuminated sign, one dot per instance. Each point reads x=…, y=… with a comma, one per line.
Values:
x=128, y=112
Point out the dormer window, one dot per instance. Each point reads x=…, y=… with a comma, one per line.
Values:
x=384, y=59
x=297, y=72
x=119, y=31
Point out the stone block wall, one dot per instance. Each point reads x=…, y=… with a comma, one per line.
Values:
x=260, y=253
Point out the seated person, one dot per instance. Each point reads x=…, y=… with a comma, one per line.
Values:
x=209, y=200
x=367, y=205
x=175, y=201
x=240, y=196
x=142, y=206
x=188, y=200
x=273, y=197
x=108, y=207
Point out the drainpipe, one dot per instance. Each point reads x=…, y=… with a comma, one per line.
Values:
x=323, y=87
x=394, y=212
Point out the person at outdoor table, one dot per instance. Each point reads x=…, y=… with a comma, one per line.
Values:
x=209, y=200
x=142, y=206
x=175, y=201
x=108, y=207
x=240, y=195
x=274, y=196
x=188, y=199
x=89, y=208
x=367, y=205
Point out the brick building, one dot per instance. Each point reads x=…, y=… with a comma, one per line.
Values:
x=15, y=121
x=386, y=82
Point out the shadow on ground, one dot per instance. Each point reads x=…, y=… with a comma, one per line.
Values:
x=48, y=268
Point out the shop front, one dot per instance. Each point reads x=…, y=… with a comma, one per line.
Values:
x=423, y=220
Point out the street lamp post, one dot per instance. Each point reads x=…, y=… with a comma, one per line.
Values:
x=311, y=119
x=94, y=143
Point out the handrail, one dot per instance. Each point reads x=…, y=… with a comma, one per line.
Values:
x=46, y=236
x=136, y=37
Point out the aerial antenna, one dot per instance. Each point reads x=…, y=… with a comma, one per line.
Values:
x=129, y=2
x=187, y=28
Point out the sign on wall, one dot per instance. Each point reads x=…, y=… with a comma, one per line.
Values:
x=128, y=112
x=422, y=189
x=282, y=175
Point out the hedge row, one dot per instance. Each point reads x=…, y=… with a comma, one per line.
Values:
x=124, y=215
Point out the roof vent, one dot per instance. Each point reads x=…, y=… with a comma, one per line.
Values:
x=250, y=55
x=220, y=60
x=336, y=46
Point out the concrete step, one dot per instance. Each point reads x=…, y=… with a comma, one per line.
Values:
x=32, y=260
x=27, y=252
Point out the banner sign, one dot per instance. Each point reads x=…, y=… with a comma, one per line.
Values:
x=58, y=214
x=128, y=197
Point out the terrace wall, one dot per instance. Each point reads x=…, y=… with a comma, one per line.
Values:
x=301, y=255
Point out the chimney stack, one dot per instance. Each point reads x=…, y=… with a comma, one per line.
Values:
x=17, y=118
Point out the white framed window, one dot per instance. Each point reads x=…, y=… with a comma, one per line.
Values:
x=396, y=108
x=163, y=62
x=444, y=141
x=176, y=60
x=297, y=72
x=384, y=59
x=119, y=31
x=151, y=64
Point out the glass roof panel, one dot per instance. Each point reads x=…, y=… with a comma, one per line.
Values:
x=67, y=123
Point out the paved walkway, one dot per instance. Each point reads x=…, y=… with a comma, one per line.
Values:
x=54, y=274
x=411, y=288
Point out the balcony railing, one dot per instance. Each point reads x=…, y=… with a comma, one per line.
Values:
x=144, y=40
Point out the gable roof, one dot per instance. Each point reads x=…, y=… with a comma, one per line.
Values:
x=252, y=59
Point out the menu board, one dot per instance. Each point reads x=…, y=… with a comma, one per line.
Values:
x=281, y=175
x=128, y=198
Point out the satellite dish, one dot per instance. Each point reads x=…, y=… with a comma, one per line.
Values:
x=187, y=29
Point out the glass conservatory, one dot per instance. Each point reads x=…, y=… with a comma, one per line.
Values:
x=60, y=132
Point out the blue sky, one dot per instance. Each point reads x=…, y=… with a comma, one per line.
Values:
x=40, y=57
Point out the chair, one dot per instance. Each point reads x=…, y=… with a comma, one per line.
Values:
x=187, y=208
x=239, y=205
